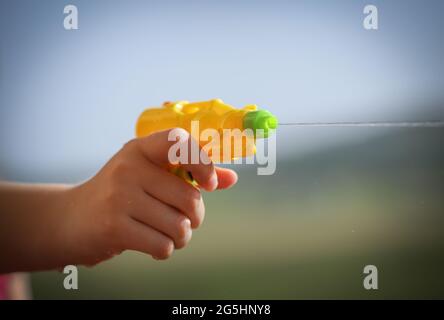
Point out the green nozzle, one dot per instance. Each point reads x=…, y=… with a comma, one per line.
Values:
x=260, y=119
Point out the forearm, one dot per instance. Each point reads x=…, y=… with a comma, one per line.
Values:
x=31, y=230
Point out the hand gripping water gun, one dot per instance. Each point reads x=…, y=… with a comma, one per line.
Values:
x=212, y=114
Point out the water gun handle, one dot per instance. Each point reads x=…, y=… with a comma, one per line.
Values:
x=185, y=175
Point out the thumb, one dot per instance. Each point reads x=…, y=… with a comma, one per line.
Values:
x=156, y=148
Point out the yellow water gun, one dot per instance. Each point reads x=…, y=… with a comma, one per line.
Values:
x=212, y=114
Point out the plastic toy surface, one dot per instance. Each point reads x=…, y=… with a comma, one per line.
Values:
x=212, y=114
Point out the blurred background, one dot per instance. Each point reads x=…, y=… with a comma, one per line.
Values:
x=341, y=198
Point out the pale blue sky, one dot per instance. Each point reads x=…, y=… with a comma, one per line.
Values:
x=69, y=99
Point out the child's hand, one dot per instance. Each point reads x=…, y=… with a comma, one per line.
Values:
x=135, y=203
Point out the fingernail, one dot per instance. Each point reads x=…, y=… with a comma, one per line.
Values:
x=213, y=182
x=188, y=235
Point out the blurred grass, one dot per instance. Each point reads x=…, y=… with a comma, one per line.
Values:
x=305, y=232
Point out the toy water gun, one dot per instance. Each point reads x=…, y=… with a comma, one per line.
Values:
x=212, y=114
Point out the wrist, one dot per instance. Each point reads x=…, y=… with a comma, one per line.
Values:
x=66, y=228
x=55, y=243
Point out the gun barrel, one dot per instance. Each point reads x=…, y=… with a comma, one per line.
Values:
x=263, y=120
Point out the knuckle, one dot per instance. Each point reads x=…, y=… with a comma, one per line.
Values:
x=192, y=206
x=198, y=218
x=191, y=199
x=195, y=212
x=120, y=168
x=182, y=242
x=183, y=226
x=120, y=172
x=165, y=250
x=200, y=215
x=131, y=144
x=113, y=196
